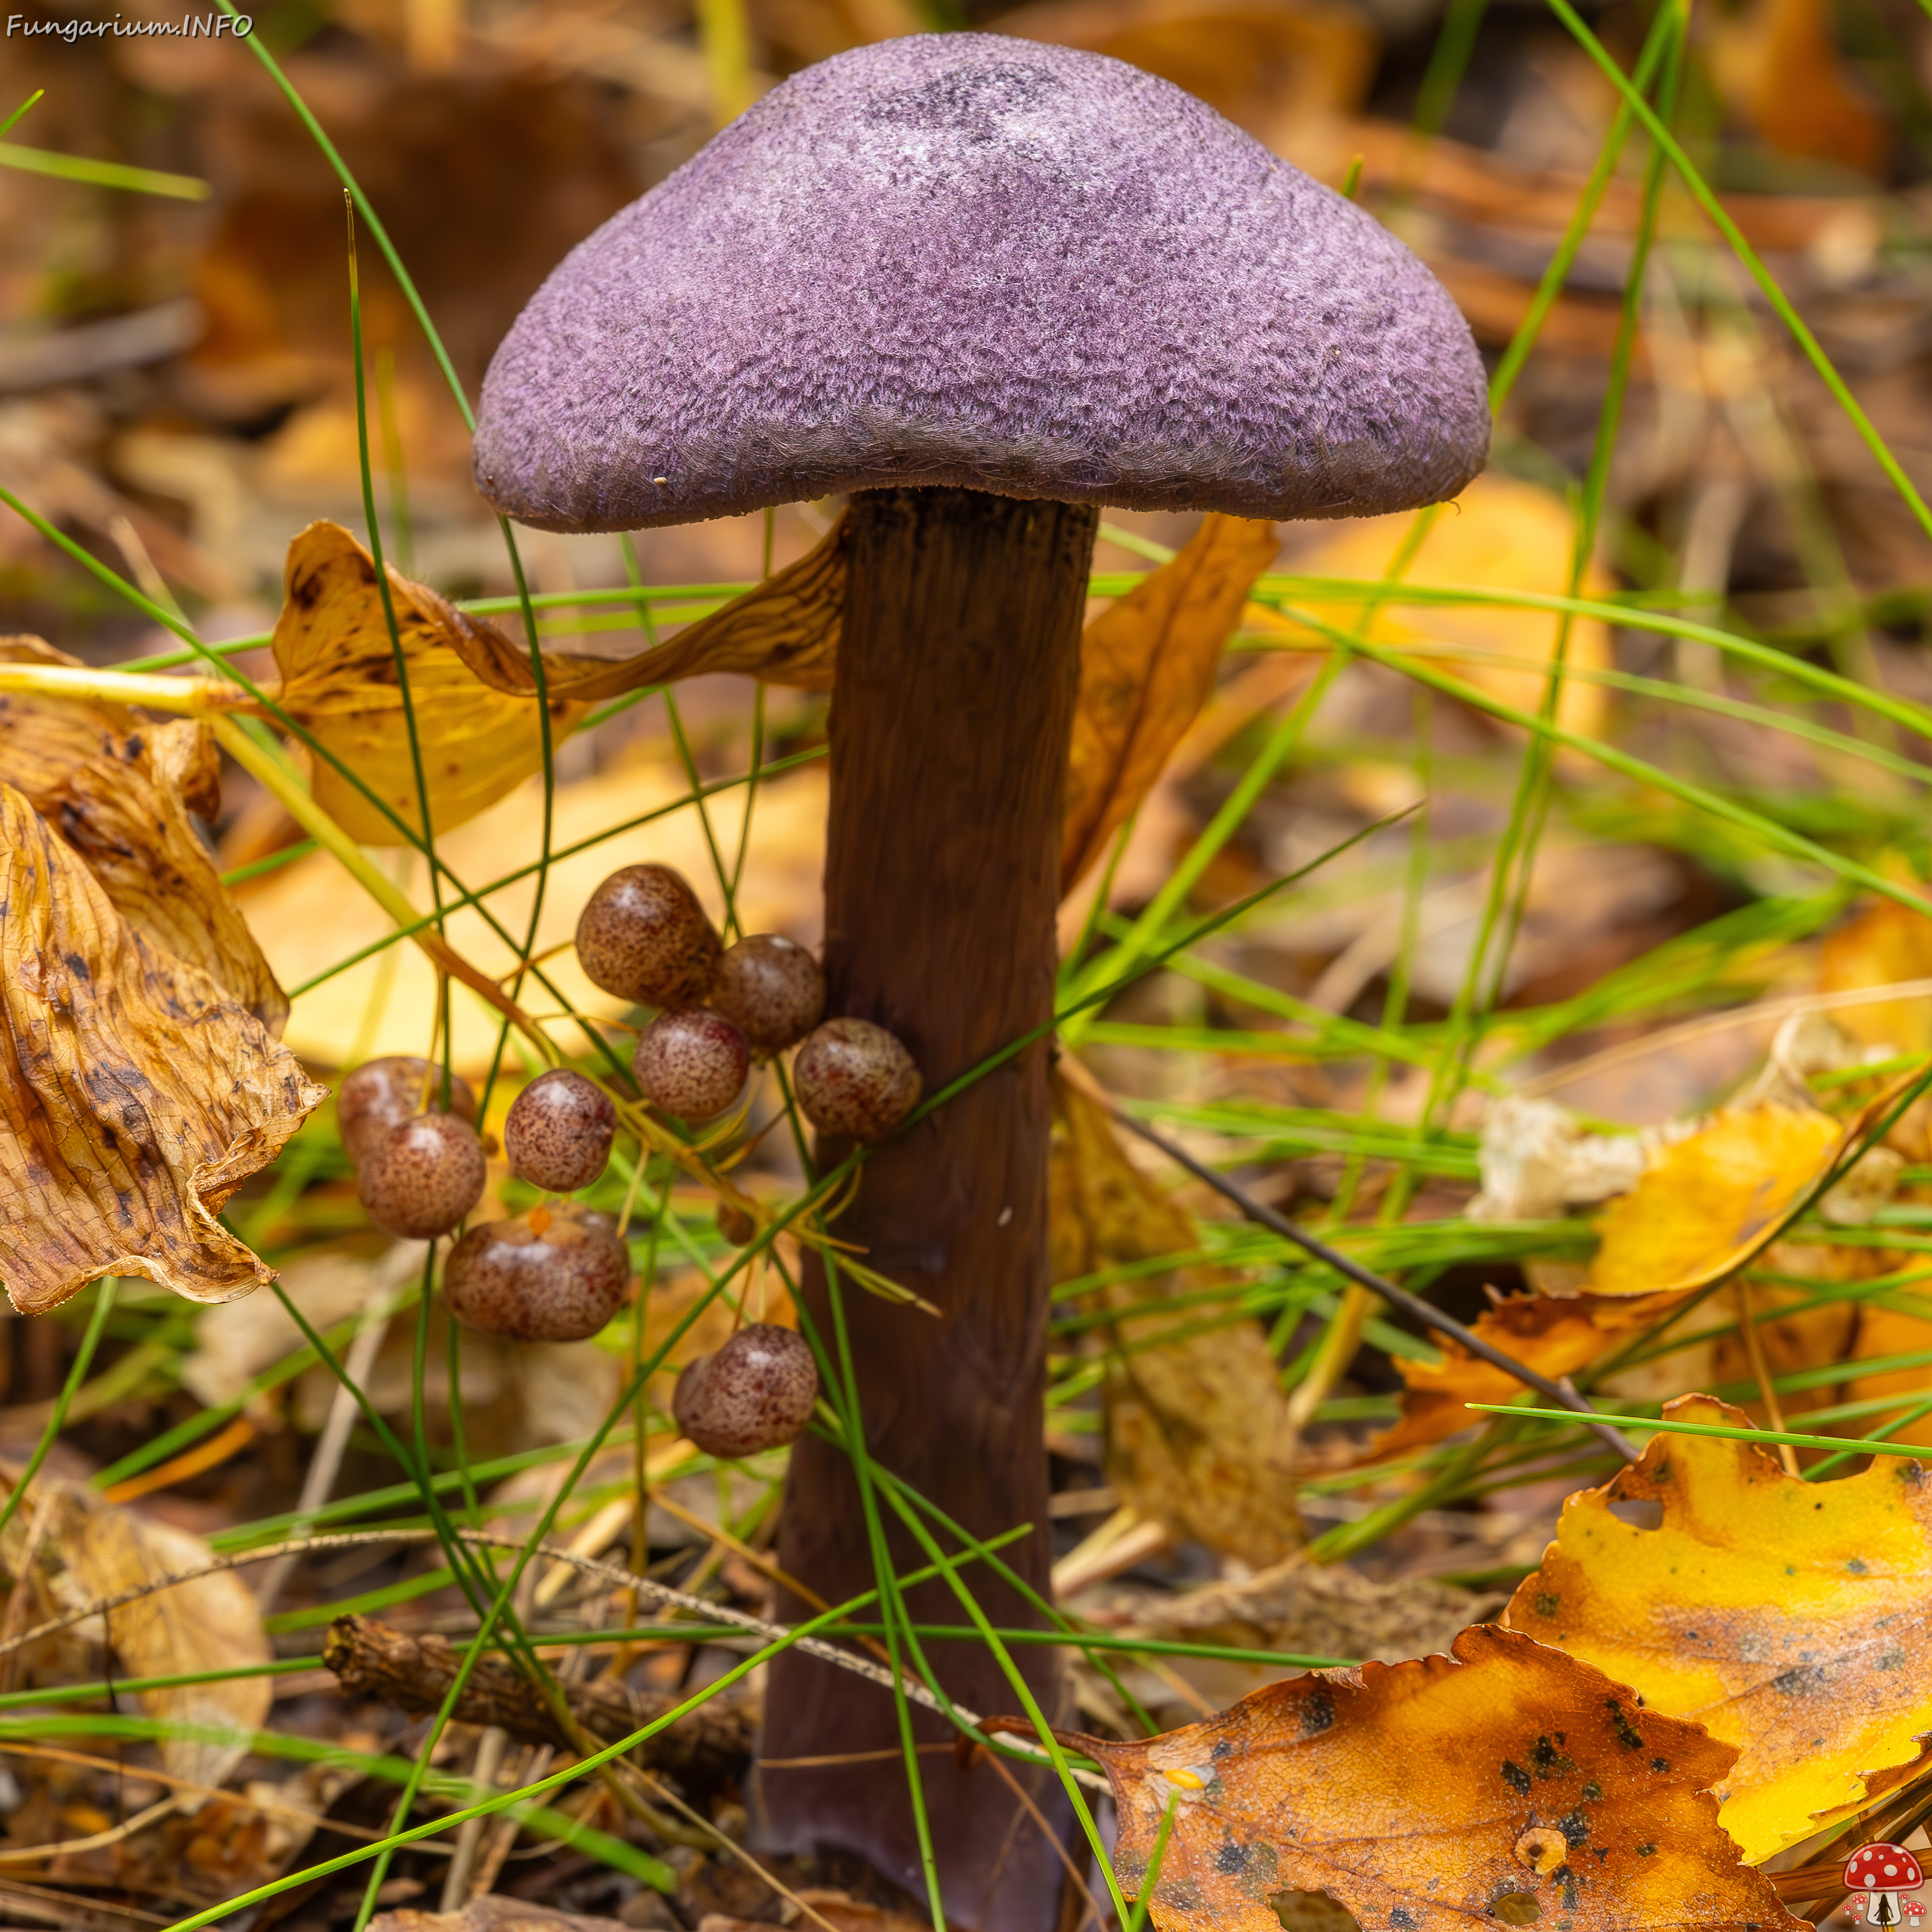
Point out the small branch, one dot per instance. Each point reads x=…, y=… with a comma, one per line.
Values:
x=1426, y=1312
x=372, y=1659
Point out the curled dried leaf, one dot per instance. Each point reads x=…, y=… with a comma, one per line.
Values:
x=1706, y=1205
x=1556, y=1335
x=1506, y=1782
x=784, y=630
x=1147, y=665
x=119, y=789
x=472, y=688
x=135, y=1096
x=339, y=683
x=94, y=1552
x=1198, y=1434
x=1788, y=1618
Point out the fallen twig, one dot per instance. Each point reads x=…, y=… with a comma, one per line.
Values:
x=702, y=1750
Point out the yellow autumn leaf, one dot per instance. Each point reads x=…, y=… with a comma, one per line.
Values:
x=135, y=1096
x=1706, y=1204
x=1147, y=666
x=1790, y=1619
x=1198, y=1434
x=1500, y=534
x=119, y=789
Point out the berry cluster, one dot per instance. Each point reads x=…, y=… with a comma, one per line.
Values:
x=644, y=937
x=422, y=1168
x=560, y=1271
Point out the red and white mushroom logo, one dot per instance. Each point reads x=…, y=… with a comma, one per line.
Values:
x=1878, y=1873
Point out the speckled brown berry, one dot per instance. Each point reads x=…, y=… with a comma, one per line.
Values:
x=755, y=1393
x=771, y=989
x=854, y=1078
x=383, y=1093
x=692, y=1064
x=643, y=936
x=735, y=1225
x=557, y=1134
x=556, y=1274
x=421, y=1178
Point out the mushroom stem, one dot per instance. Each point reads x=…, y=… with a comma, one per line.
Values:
x=957, y=674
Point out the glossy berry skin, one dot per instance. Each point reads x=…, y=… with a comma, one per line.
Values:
x=423, y=1176
x=557, y=1134
x=855, y=1079
x=691, y=1064
x=381, y=1094
x=556, y=1274
x=643, y=935
x=756, y=1393
x=771, y=989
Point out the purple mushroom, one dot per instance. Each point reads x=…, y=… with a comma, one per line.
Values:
x=986, y=286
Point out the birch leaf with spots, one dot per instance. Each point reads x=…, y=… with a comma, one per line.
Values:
x=119, y=789
x=1793, y=1620
x=1506, y=1782
x=136, y=1096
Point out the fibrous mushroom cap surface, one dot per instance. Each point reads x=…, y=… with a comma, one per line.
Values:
x=965, y=259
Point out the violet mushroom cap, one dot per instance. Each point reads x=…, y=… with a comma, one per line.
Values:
x=965, y=259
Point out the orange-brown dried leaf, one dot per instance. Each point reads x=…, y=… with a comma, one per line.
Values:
x=1779, y=66
x=1884, y=1331
x=1788, y=1618
x=1507, y=1782
x=135, y=1096
x=1147, y=665
x=1198, y=1433
x=119, y=789
x=1555, y=1335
